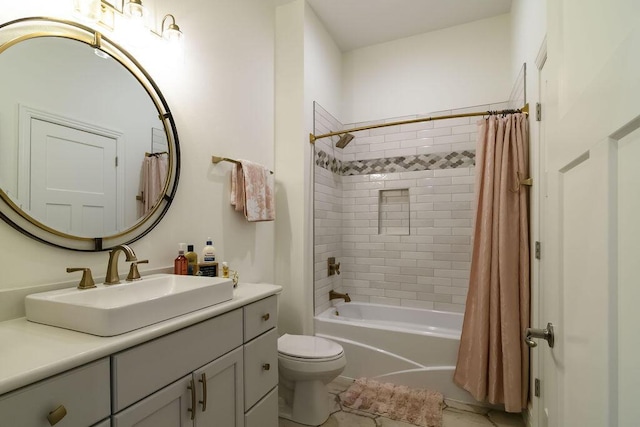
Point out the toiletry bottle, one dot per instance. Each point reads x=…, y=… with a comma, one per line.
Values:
x=180, y=265
x=225, y=270
x=192, y=258
x=209, y=252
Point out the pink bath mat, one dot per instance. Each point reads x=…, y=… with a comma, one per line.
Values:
x=398, y=402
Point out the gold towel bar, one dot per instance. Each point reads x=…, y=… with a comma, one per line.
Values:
x=216, y=159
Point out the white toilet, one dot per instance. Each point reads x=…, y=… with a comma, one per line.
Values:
x=306, y=364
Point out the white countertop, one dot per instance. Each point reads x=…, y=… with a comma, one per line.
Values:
x=30, y=352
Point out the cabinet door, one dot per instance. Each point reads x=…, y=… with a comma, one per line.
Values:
x=171, y=406
x=105, y=423
x=220, y=392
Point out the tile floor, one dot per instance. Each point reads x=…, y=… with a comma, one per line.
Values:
x=454, y=415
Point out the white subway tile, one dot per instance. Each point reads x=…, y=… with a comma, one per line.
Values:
x=367, y=140
x=451, y=172
x=430, y=149
x=450, y=290
x=416, y=126
x=452, y=122
x=385, y=130
x=464, y=129
x=384, y=176
x=463, y=197
x=370, y=276
x=457, y=274
x=400, y=262
x=385, y=269
x=417, y=143
x=401, y=278
x=400, y=152
x=434, y=281
x=464, y=146
x=434, y=297
x=400, y=294
x=452, y=256
x=433, y=133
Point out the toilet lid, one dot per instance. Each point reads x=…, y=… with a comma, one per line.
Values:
x=308, y=347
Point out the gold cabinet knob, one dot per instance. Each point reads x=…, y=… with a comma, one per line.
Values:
x=56, y=415
x=265, y=317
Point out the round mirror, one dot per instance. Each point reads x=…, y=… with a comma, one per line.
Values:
x=89, y=154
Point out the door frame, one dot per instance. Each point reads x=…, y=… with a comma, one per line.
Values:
x=537, y=195
x=26, y=114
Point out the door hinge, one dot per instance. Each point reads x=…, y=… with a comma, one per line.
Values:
x=536, y=388
x=538, y=112
x=537, y=250
x=116, y=161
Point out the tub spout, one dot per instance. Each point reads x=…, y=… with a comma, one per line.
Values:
x=335, y=295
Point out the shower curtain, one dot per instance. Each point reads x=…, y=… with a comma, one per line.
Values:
x=493, y=360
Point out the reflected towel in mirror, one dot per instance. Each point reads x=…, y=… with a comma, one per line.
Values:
x=154, y=174
x=252, y=191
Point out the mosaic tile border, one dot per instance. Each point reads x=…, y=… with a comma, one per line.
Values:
x=328, y=162
x=420, y=162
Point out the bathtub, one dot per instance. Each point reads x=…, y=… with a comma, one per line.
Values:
x=408, y=346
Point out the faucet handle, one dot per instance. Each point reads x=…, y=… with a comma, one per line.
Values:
x=87, y=279
x=134, y=274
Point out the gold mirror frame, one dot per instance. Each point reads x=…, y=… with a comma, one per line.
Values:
x=14, y=32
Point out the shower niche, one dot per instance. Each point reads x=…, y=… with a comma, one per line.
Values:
x=394, y=212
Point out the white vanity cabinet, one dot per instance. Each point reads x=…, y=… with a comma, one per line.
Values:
x=217, y=371
x=221, y=372
x=79, y=397
x=206, y=360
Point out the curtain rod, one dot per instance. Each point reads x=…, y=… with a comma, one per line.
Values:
x=217, y=159
x=312, y=137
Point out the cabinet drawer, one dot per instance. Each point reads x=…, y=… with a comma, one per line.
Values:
x=260, y=367
x=141, y=370
x=265, y=412
x=259, y=317
x=83, y=391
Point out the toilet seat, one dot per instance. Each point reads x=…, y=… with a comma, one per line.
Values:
x=308, y=348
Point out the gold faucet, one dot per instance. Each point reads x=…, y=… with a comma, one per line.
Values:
x=336, y=295
x=112, y=277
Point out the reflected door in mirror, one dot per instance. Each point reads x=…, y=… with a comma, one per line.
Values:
x=73, y=179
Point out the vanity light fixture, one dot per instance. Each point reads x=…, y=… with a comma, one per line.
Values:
x=134, y=10
x=171, y=33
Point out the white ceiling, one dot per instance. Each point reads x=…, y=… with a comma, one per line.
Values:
x=358, y=23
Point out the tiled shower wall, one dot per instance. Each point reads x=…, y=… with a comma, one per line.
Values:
x=425, y=265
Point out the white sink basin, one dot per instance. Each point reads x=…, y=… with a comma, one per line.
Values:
x=116, y=309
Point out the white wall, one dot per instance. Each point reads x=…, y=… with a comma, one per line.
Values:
x=308, y=69
x=460, y=66
x=222, y=98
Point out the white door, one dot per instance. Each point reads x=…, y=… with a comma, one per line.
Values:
x=73, y=179
x=591, y=237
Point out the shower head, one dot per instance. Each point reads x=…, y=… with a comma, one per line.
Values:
x=344, y=140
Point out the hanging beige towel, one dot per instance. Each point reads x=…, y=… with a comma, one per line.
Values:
x=252, y=191
x=154, y=174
